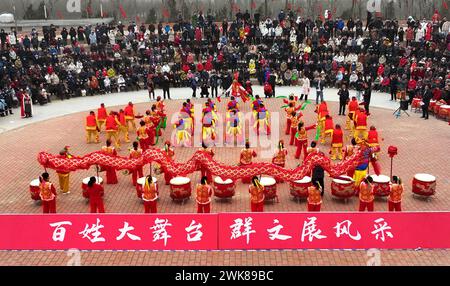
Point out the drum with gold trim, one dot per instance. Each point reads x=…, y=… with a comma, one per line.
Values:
x=299, y=188
x=270, y=188
x=224, y=189
x=180, y=188
x=424, y=184
x=34, y=190
x=381, y=185
x=140, y=186
x=84, y=185
x=444, y=111
x=343, y=188
x=416, y=103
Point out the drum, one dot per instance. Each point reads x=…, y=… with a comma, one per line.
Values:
x=432, y=105
x=299, y=188
x=224, y=189
x=444, y=111
x=424, y=184
x=343, y=188
x=180, y=188
x=270, y=188
x=140, y=186
x=34, y=190
x=381, y=185
x=84, y=185
x=416, y=103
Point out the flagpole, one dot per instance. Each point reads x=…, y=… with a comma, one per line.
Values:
x=45, y=11
x=101, y=9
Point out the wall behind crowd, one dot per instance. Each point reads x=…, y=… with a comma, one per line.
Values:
x=168, y=10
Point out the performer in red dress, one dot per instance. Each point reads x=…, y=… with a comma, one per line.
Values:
x=47, y=193
x=301, y=139
x=136, y=153
x=314, y=197
x=150, y=195
x=143, y=134
x=395, y=196
x=295, y=120
x=204, y=192
x=279, y=157
x=111, y=177
x=101, y=116
x=95, y=192
x=256, y=191
x=366, y=196
x=246, y=157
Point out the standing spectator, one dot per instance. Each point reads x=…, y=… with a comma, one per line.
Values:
x=320, y=83
x=344, y=97
x=427, y=95
x=165, y=84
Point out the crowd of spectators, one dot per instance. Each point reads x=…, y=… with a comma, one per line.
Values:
x=203, y=53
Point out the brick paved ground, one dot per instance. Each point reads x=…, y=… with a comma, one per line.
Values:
x=422, y=145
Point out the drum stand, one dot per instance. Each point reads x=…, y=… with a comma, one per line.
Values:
x=399, y=110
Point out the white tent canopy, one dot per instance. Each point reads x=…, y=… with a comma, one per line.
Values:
x=6, y=18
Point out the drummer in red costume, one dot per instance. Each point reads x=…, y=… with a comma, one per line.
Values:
x=337, y=142
x=366, y=196
x=395, y=197
x=136, y=153
x=143, y=135
x=246, y=157
x=95, y=192
x=129, y=115
x=279, y=158
x=314, y=197
x=47, y=193
x=256, y=191
x=101, y=116
x=112, y=128
x=353, y=106
x=170, y=152
x=204, y=171
x=150, y=195
x=91, y=128
x=123, y=129
x=204, y=192
x=360, y=124
x=301, y=139
x=111, y=177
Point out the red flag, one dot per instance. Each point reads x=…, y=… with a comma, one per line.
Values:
x=122, y=11
x=59, y=15
x=165, y=13
x=253, y=5
x=445, y=5
x=219, y=99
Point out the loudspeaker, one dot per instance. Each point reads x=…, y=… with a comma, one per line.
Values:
x=404, y=105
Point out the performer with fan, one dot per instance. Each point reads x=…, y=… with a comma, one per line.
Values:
x=301, y=139
x=204, y=192
x=91, y=128
x=136, y=153
x=237, y=90
x=256, y=191
x=102, y=114
x=111, y=177
x=47, y=193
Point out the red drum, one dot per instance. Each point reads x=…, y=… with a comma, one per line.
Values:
x=299, y=188
x=416, y=103
x=84, y=185
x=424, y=184
x=432, y=105
x=180, y=188
x=270, y=188
x=224, y=189
x=381, y=185
x=343, y=188
x=444, y=111
x=140, y=186
x=34, y=190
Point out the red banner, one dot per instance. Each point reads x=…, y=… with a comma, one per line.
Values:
x=406, y=230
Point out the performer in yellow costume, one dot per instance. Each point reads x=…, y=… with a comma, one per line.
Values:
x=234, y=127
x=183, y=136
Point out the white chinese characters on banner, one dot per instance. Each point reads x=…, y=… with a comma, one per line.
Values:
x=126, y=231
x=310, y=231
x=193, y=231
x=160, y=232
x=93, y=233
x=343, y=228
x=374, y=6
x=380, y=229
x=60, y=232
x=238, y=224
x=274, y=232
x=73, y=6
